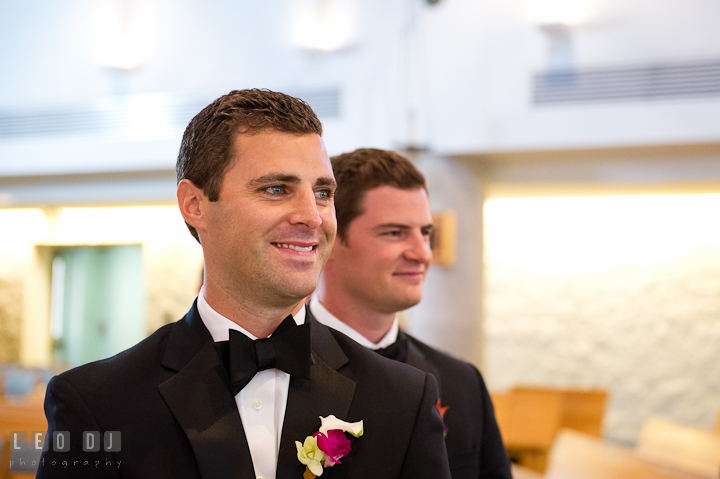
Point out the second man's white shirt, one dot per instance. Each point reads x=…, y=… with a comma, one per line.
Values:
x=328, y=319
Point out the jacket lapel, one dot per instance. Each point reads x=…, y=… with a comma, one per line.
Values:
x=327, y=392
x=200, y=399
x=417, y=359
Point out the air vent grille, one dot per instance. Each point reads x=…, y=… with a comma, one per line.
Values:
x=649, y=82
x=128, y=116
x=325, y=103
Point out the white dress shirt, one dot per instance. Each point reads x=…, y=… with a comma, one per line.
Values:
x=261, y=403
x=328, y=319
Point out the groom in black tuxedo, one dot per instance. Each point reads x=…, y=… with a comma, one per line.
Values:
x=377, y=268
x=227, y=391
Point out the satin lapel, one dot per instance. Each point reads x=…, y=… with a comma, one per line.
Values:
x=199, y=398
x=417, y=359
x=327, y=392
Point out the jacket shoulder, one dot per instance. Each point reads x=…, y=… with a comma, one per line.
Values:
x=138, y=368
x=144, y=352
x=443, y=362
x=370, y=363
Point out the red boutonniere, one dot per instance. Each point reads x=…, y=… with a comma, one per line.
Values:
x=442, y=411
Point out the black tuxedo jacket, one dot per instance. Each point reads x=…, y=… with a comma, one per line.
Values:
x=475, y=448
x=169, y=397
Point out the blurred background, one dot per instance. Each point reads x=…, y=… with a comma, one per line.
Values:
x=575, y=144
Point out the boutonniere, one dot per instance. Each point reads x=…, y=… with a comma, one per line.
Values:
x=442, y=411
x=327, y=446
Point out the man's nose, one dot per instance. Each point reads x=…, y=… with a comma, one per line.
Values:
x=305, y=210
x=418, y=248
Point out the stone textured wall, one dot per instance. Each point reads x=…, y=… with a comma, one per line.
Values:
x=21, y=228
x=10, y=320
x=173, y=279
x=621, y=293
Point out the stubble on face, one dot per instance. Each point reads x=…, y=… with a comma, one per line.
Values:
x=274, y=225
x=382, y=261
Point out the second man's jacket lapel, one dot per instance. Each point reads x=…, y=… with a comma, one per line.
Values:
x=417, y=359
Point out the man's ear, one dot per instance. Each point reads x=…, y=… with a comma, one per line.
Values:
x=192, y=202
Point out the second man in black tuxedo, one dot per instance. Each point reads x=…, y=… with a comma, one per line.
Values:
x=377, y=268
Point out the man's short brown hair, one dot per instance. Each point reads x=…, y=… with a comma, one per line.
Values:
x=362, y=170
x=206, y=151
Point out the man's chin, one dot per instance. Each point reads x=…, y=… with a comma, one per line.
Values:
x=296, y=292
x=405, y=302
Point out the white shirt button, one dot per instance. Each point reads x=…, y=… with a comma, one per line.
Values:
x=259, y=477
x=257, y=405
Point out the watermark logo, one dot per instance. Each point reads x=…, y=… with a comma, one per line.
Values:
x=26, y=452
x=91, y=442
x=110, y=441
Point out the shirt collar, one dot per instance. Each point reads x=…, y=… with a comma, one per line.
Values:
x=220, y=326
x=328, y=319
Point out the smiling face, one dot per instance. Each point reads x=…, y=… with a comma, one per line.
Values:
x=269, y=235
x=382, y=261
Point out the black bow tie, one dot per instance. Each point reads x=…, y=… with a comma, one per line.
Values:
x=288, y=349
x=397, y=350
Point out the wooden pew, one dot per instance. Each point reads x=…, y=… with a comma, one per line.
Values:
x=576, y=455
x=528, y=421
x=531, y=417
x=521, y=472
x=680, y=447
x=21, y=414
x=584, y=411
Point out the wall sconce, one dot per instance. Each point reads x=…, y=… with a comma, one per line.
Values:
x=324, y=25
x=444, y=238
x=557, y=19
x=560, y=50
x=567, y=12
x=122, y=34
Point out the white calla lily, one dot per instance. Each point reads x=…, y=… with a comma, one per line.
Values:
x=331, y=422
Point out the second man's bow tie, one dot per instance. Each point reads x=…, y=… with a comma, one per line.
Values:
x=397, y=350
x=288, y=349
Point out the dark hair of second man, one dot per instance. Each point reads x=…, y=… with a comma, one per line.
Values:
x=364, y=169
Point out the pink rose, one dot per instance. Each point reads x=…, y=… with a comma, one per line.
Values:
x=335, y=445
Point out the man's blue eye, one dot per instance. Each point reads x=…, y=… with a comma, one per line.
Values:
x=275, y=190
x=324, y=194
